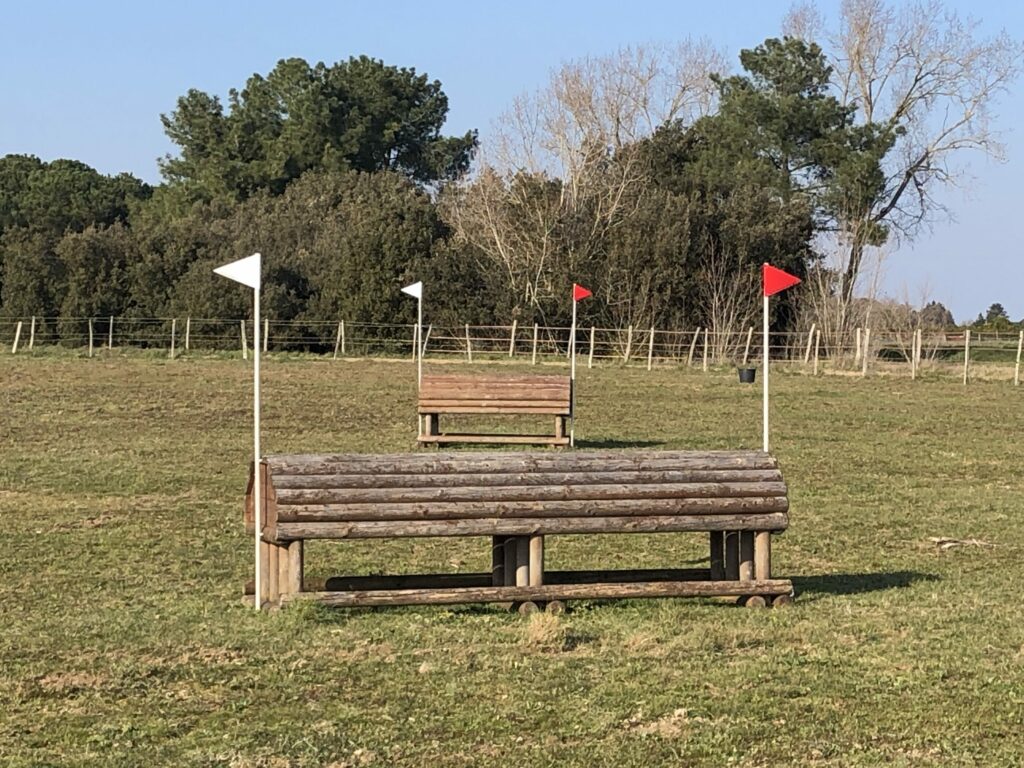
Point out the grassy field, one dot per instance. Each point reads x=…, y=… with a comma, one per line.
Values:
x=124, y=641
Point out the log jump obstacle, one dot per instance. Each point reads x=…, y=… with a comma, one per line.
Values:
x=502, y=395
x=738, y=499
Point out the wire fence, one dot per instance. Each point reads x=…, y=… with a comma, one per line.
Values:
x=910, y=352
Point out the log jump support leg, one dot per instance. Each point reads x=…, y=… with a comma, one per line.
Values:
x=717, y=546
x=746, y=568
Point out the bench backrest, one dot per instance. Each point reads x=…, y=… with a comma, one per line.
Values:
x=475, y=494
x=458, y=393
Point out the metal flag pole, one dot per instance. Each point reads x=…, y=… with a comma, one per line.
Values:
x=765, y=378
x=419, y=341
x=572, y=376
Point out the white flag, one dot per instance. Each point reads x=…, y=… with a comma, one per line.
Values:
x=415, y=290
x=245, y=271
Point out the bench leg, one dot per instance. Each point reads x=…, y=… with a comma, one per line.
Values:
x=732, y=556
x=536, y=561
x=746, y=556
x=273, y=594
x=762, y=555
x=497, y=561
x=522, y=544
x=509, y=574
x=559, y=427
x=717, y=555
x=292, y=563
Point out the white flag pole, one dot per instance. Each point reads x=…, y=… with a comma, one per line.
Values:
x=247, y=272
x=419, y=341
x=572, y=376
x=765, y=382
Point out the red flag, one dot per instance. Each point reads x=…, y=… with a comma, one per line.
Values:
x=776, y=281
x=579, y=292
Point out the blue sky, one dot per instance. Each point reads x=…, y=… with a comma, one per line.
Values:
x=90, y=80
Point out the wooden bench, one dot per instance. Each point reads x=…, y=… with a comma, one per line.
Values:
x=475, y=394
x=517, y=499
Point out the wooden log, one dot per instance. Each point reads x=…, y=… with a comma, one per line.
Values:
x=512, y=339
x=469, y=345
x=732, y=555
x=858, y=352
x=500, y=495
x=295, y=557
x=865, y=352
x=546, y=592
x=174, y=331
x=415, y=341
x=650, y=349
x=110, y=333
x=536, y=560
x=1016, y=370
x=32, y=334
x=17, y=338
x=426, y=340
x=534, y=353
x=717, y=541
x=810, y=340
x=629, y=344
x=693, y=346
x=343, y=337
x=273, y=594
x=746, y=349
x=762, y=555
x=511, y=550
x=522, y=561
x=289, y=482
x=90, y=337
x=817, y=349
x=746, y=567
x=264, y=572
x=497, y=574
x=704, y=352
x=266, y=333
x=290, y=531
x=590, y=354
x=337, y=341
x=486, y=462
x=245, y=345
x=188, y=332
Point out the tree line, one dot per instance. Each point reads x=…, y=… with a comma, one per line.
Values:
x=657, y=176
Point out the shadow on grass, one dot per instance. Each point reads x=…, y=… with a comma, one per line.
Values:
x=806, y=587
x=620, y=443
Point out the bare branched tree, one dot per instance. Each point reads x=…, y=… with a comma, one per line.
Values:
x=728, y=296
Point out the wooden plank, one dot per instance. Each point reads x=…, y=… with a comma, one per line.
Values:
x=289, y=531
x=496, y=494
x=463, y=510
x=547, y=592
x=498, y=439
x=434, y=404
x=290, y=482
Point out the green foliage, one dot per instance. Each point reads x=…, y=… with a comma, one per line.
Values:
x=358, y=114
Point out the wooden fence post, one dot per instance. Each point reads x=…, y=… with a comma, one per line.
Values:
x=1016, y=371
x=110, y=333
x=188, y=333
x=810, y=339
x=629, y=344
x=17, y=337
x=920, y=347
x=415, y=340
x=857, y=352
x=32, y=334
x=535, y=329
x=343, y=337
x=512, y=339
x=337, y=342
x=704, y=364
x=865, y=352
x=590, y=354
x=817, y=349
x=245, y=346
x=90, y=337
x=967, y=355
x=469, y=345
x=746, y=349
x=426, y=340
x=174, y=331
x=266, y=332
x=650, y=349
x=693, y=346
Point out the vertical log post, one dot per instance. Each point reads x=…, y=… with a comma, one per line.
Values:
x=426, y=340
x=17, y=338
x=536, y=564
x=810, y=340
x=510, y=561
x=294, y=557
x=522, y=561
x=817, y=350
x=343, y=337
x=188, y=332
x=415, y=340
x=90, y=337
x=762, y=555
x=174, y=331
x=732, y=552
x=746, y=349
x=865, y=352
x=717, y=555
x=590, y=354
x=497, y=561
x=512, y=339
x=967, y=356
x=1016, y=371
x=337, y=341
x=32, y=334
x=245, y=346
x=857, y=351
x=704, y=363
x=629, y=344
x=534, y=354
x=693, y=346
x=746, y=555
x=110, y=333
x=650, y=349
x=266, y=332
x=469, y=345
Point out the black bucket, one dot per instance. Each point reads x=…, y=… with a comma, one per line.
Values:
x=747, y=375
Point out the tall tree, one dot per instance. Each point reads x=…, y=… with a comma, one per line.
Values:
x=358, y=114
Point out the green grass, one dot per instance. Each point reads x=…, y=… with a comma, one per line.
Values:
x=124, y=641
